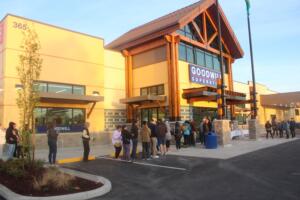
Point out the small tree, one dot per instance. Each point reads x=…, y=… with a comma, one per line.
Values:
x=29, y=69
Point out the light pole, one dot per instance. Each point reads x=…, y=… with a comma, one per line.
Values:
x=254, y=115
x=224, y=114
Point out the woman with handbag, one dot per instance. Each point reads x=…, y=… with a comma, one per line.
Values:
x=117, y=141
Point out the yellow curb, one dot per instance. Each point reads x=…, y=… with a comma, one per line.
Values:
x=72, y=160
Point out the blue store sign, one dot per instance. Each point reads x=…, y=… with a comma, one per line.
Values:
x=204, y=76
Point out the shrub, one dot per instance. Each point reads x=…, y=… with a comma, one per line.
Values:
x=21, y=168
x=54, y=179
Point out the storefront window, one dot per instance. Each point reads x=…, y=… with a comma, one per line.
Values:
x=152, y=113
x=216, y=63
x=182, y=52
x=42, y=87
x=153, y=90
x=208, y=60
x=78, y=90
x=65, y=119
x=58, y=88
x=190, y=54
x=200, y=58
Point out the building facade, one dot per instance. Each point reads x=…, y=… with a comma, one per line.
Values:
x=72, y=83
x=168, y=58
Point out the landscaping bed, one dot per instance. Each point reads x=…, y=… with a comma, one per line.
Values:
x=33, y=179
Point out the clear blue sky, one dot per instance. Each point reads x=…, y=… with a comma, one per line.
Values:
x=275, y=26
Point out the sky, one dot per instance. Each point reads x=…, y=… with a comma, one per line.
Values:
x=275, y=29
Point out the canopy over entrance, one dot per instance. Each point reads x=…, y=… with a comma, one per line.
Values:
x=283, y=100
x=140, y=100
x=210, y=94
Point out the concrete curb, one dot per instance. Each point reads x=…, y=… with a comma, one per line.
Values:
x=10, y=195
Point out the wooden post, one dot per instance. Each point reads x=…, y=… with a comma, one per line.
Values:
x=219, y=99
x=128, y=83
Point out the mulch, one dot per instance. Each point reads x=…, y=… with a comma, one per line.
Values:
x=25, y=187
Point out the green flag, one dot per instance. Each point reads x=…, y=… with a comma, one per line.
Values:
x=248, y=6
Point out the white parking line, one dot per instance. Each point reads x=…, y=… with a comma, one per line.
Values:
x=145, y=164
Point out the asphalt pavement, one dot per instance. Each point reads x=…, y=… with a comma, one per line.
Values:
x=271, y=173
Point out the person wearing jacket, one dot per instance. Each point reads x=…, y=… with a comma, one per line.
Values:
x=145, y=137
x=293, y=127
x=280, y=129
x=178, y=135
x=117, y=141
x=11, y=140
x=153, y=138
x=186, y=132
x=168, y=136
x=286, y=129
x=86, y=142
x=134, y=139
x=268, y=127
x=52, y=135
x=161, y=134
x=126, y=137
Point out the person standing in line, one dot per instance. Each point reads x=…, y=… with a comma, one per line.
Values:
x=186, y=132
x=178, y=135
x=18, y=149
x=2, y=141
x=168, y=136
x=52, y=135
x=274, y=126
x=162, y=131
x=11, y=140
x=206, y=128
x=134, y=139
x=268, y=127
x=153, y=138
x=280, y=129
x=193, y=134
x=117, y=141
x=286, y=129
x=145, y=137
x=126, y=137
x=201, y=132
x=86, y=142
x=293, y=127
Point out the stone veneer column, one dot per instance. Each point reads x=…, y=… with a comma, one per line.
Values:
x=222, y=129
x=253, y=129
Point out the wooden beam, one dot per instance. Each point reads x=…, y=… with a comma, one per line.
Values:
x=197, y=30
x=200, y=45
x=211, y=21
x=204, y=27
x=147, y=46
x=212, y=38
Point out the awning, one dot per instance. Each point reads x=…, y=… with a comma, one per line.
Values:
x=282, y=100
x=143, y=99
x=210, y=94
x=68, y=98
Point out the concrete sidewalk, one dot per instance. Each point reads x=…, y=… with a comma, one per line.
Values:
x=237, y=147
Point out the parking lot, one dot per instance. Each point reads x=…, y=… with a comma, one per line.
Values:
x=271, y=173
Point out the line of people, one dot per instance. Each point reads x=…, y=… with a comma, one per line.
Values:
x=156, y=137
x=281, y=128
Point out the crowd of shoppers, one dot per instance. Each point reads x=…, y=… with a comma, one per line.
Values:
x=280, y=129
x=156, y=137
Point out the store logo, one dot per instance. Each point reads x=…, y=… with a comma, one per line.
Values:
x=202, y=75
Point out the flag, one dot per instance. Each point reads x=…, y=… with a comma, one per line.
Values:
x=248, y=6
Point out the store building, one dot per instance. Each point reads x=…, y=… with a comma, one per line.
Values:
x=75, y=83
x=271, y=104
x=172, y=64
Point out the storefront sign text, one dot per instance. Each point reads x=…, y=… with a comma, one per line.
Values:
x=202, y=75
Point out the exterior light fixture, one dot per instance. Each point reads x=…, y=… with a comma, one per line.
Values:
x=96, y=93
x=19, y=87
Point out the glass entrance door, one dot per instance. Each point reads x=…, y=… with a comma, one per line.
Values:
x=152, y=113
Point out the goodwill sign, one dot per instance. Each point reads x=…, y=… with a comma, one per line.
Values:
x=202, y=75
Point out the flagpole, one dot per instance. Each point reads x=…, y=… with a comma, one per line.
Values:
x=224, y=114
x=254, y=115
